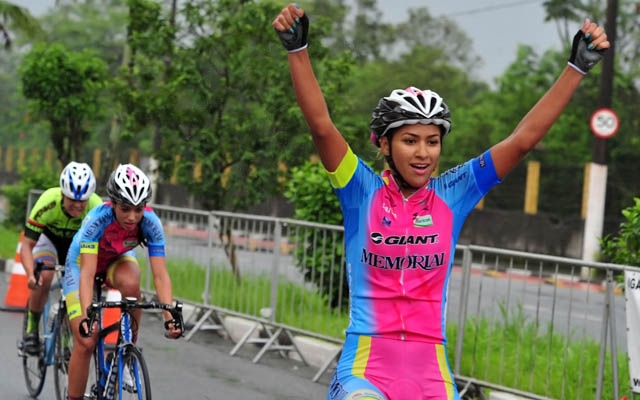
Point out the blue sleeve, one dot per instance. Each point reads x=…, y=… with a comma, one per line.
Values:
x=485, y=172
x=462, y=187
x=153, y=233
x=95, y=223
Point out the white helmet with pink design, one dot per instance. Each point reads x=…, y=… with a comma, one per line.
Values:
x=129, y=185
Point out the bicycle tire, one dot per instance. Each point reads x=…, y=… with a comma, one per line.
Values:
x=139, y=375
x=63, y=347
x=34, y=367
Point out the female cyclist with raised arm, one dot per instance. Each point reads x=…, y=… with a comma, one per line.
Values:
x=401, y=227
x=52, y=222
x=105, y=245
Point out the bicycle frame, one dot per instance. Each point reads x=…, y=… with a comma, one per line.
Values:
x=107, y=376
x=50, y=331
x=109, y=370
x=35, y=365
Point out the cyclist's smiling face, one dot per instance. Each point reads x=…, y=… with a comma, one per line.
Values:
x=74, y=208
x=128, y=216
x=415, y=150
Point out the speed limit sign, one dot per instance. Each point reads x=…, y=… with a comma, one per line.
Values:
x=604, y=123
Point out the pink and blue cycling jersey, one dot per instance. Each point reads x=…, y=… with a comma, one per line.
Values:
x=101, y=234
x=399, y=254
x=400, y=251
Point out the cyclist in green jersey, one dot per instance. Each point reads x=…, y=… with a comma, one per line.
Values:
x=53, y=221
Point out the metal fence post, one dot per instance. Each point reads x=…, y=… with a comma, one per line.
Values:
x=467, y=257
x=206, y=294
x=607, y=320
x=614, y=341
x=275, y=264
x=30, y=201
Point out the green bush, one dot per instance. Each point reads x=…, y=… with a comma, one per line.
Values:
x=34, y=175
x=8, y=242
x=624, y=248
x=310, y=192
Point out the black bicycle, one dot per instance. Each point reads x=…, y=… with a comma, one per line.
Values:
x=121, y=372
x=55, y=342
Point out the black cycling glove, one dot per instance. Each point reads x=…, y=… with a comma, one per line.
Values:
x=582, y=58
x=295, y=39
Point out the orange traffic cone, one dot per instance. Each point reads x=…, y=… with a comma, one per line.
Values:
x=111, y=315
x=18, y=291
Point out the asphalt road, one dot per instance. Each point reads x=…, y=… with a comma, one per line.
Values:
x=198, y=369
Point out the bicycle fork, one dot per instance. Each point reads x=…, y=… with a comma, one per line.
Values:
x=114, y=372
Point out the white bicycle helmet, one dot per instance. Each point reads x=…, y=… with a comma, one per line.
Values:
x=77, y=181
x=129, y=185
x=409, y=106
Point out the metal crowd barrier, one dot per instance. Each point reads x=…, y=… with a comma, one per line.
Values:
x=560, y=327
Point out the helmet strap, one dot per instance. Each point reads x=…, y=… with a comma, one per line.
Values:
x=402, y=184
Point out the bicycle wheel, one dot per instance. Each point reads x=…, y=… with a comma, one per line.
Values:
x=63, y=347
x=135, y=376
x=33, y=365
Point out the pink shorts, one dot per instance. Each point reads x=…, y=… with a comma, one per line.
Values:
x=392, y=370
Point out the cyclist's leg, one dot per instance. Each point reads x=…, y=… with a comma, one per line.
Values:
x=124, y=274
x=399, y=369
x=82, y=347
x=349, y=381
x=44, y=251
x=350, y=388
x=410, y=370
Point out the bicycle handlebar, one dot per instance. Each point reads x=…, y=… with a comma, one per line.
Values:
x=41, y=266
x=128, y=304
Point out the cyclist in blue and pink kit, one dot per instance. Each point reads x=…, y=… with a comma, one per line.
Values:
x=104, y=245
x=401, y=227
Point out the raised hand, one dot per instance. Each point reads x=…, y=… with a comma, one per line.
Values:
x=292, y=26
x=589, y=45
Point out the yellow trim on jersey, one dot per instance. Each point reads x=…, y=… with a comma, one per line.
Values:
x=89, y=248
x=343, y=174
x=111, y=270
x=444, y=370
x=72, y=300
x=362, y=356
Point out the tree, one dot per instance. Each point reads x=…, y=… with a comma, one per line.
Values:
x=624, y=247
x=224, y=106
x=65, y=89
x=421, y=30
x=89, y=24
x=563, y=12
x=17, y=19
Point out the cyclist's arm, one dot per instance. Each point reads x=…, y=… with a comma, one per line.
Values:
x=329, y=142
x=162, y=282
x=41, y=215
x=26, y=257
x=533, y=127
x=547, y=110
x=88, y=266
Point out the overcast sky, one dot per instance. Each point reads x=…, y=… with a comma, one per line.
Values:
x=495, y=26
